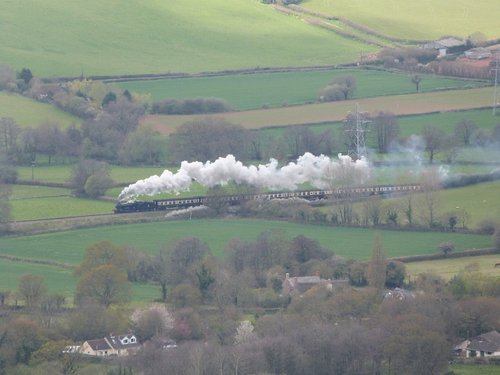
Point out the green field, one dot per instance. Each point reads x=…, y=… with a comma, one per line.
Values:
x=426, y=19
x=414, y=124
x=61, y=173
x=475, y=369
x=68, y=247
x=476, y=203
x=447, y=268
x=40, y=202
x=250, y=91
x=447, y=121
x=348, y=242
x=60, y=280
x=337, y=111
x=480, y=201
x=116, y=37
x=37, y=202
x=57, y=207
x=28, y=112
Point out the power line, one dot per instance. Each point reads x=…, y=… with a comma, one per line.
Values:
x=496, y=93
x=356, y=129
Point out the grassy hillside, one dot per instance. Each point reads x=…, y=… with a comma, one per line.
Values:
x=425, y=19
x=151, y=36
x=28, y=112
x=60, y=280
x=38, y=202
x=62, y=173
x=349, y=242
x=447, y=268
x=337, y=111
x=250, y=91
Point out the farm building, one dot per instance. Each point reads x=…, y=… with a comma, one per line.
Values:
x=485, y=345
x=479, y=53
x=443, y=45
x=300, y=284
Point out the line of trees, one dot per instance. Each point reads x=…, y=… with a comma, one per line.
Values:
x=359, y=330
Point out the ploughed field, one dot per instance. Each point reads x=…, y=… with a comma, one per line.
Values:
x=336, y=111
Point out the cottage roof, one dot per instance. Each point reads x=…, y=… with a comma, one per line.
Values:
x=444, y=43
x=122, y=341
x=99, y=344
x=487, y=342
x=308, y=279
x=399, y=294
x=450, y=42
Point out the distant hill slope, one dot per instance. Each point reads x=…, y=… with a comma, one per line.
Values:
x=59, y=37
x=423, y=19
x=28, y=112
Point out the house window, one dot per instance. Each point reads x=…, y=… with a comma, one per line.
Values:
x=125, y=341
x=132, y=339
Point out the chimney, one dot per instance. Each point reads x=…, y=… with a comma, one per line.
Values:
x=287, y=275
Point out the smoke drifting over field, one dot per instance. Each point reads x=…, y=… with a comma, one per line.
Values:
x=320, y=171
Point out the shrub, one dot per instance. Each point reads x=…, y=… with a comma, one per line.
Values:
x=487, y=226
x=8, y=174
x=495, y=238
x=331, y=93
x=190, y=106
x=97, y=184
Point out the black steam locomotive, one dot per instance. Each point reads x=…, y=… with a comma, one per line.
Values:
x=309, y=195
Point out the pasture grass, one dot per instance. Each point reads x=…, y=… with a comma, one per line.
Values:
x=474, y=369
x=354, y=243
x=159, y=37
x=472, y=205
x=447, y=268
x=251, y=91
x=414, y=124
x=58, y=280
x=21, y=192
x=62, y=173
x=319, y=113
x=61, y=280
x=28, y=112
x=480, y=202
x=36, y=202
x=426, y=19
x=446, y=121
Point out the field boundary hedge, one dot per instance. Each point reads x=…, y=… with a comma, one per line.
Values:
x=460, y=254
x=54, y=263
x=354, y=25
x=44, y=183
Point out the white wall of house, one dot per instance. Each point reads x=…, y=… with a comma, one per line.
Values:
x=478, y=354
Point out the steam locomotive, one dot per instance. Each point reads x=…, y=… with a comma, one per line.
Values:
x=309, y=195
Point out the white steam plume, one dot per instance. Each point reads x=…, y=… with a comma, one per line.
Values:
x=321, y=171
